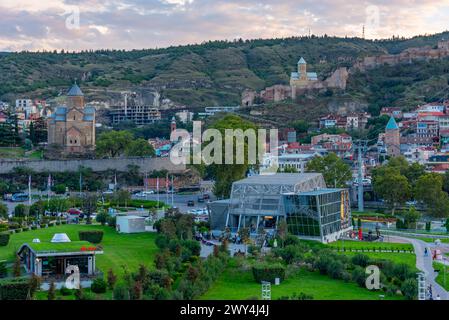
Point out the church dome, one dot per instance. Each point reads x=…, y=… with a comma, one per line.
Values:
x=75, y=91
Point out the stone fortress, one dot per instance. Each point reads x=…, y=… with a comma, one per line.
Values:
x=301, y=81
x=72, y=127
x=406, y=56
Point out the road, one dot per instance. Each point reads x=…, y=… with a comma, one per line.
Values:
x=180, y=200
x=425, y=264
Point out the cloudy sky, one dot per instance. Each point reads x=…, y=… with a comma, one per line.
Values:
x=135, y=24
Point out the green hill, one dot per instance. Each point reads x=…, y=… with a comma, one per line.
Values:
x=214, y=73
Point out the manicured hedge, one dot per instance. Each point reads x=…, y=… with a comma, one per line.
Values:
x=4, y=239
x=93, y=236
x=268, y=272
x=15, y=289
x=98, y=286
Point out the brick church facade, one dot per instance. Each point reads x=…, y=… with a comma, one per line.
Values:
x=72, y=127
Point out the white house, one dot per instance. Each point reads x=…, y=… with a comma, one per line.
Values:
x=130, y=224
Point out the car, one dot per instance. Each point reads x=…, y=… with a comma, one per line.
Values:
x=148, y=192
x=206, y=196
x=108, y=192
x=190, y=203
x=200, y=199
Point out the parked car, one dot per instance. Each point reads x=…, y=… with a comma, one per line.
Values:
x=206, y=196
x=200, y=199
x=190, y=203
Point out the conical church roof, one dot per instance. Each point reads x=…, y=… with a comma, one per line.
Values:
x=391, y=125
x=302, y=61
x=75, y=91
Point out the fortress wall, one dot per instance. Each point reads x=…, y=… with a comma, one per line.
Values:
x=97, y=165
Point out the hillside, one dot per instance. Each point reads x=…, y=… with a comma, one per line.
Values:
x=213, y=73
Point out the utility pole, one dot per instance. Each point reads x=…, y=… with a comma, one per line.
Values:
x=360, y=178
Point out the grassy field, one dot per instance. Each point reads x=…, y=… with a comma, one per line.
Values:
x=348, y=244
x=440, y=278
x=16, y=153
x=236, y=284
x=407, y=258
x=119, y=249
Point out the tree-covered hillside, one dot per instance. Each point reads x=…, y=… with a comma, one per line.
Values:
x=212, y=73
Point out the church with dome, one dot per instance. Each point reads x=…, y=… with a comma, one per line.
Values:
x=72, y=126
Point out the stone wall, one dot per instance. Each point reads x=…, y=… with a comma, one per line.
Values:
x=97, y=165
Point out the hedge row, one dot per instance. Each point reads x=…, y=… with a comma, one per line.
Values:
x=4, y=239
x=93, y=236
x=268, y=272
x=15, y=289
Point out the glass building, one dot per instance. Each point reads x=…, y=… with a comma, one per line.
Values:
x=322, y=214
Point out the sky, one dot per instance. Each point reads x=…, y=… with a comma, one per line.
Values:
x=136, y=24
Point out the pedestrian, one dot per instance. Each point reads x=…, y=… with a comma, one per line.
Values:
x=425, y=252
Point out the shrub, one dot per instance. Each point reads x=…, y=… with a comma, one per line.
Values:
x=193, y=246
x=360, y=260
x=33, y=227
x=93, y=236
x=409, y=288
x=64, y=291
x=4, y=239
x=112, y=221
x=112, y=279
x=121, y=292
x=359, y=276
x=15, y=289
x=102, y=218
x=291, y=240
x=98, y=286
x=51, y=294
x=268, y=272
x=3, y=270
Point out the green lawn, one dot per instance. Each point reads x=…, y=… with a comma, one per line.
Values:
x=236, y=284
x=407, y=258
x=440, y=278
x=370, y=245
x=17, y=153
x=119, y=249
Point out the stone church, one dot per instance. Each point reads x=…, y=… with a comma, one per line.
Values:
x=72, y=127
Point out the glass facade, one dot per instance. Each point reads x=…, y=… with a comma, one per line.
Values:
x=317, y=213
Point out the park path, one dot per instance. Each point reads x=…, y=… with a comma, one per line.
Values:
x=425, y=264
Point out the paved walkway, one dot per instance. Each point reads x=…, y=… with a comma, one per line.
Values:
x=425, y=264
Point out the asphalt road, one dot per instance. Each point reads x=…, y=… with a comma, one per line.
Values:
x=180, y=200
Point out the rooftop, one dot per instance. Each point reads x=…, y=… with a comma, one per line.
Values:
x=75, y=91
x=391, y=125
x=42, y=248
x=280, y=178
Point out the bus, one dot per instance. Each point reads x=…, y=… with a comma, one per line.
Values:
x=19, y=197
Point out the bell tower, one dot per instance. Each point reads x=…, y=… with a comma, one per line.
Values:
x=302, y=69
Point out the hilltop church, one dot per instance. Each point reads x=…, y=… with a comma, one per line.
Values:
x=72, y=127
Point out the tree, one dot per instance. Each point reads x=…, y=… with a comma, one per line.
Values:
x=336, y=173
x=392, y=186
x=122, y=197
x=429, y=189
x=113, y=143
x=37, y=209
x=17, y=268
x=20, y=210
x=102, y=218
x=51, y=294
x=140, y=148
x=225, y=174
x=111, y=279
x=89, y=205
x=3, y=211
x=301, y=126
x=411, y=217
